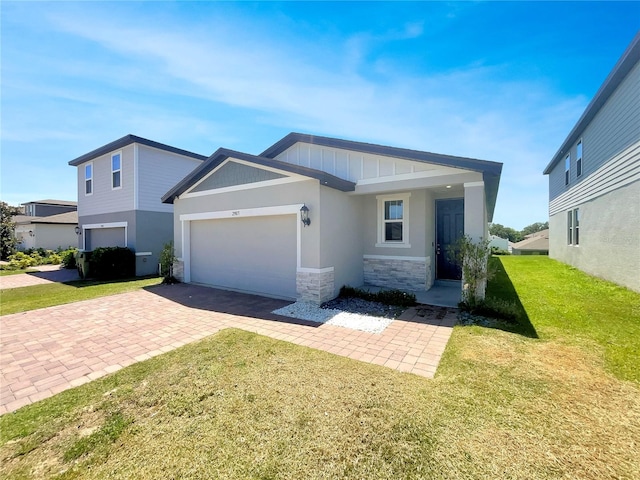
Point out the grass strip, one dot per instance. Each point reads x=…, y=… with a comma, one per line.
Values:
x=15, y=300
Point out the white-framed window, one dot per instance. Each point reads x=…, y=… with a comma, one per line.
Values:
x=573, y=227
x=393, y=220
x=579, y=159
x=88, y=179
x=116, y=170
x=567, y=169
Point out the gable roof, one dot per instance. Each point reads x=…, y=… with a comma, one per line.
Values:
x=128, y=140
x=61, y=218
x=222, y=154
x=536, y=241
x=627, y=61
x=490, y=170
x=64, y=203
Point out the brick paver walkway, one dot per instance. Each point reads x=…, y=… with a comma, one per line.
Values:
x=46, y=351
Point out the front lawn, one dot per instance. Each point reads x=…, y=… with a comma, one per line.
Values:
x=5, y=273
x=14, y=300
x=540, y=399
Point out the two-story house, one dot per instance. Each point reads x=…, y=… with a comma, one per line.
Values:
x=48, y=224
x=594, y=181
x=120, y=186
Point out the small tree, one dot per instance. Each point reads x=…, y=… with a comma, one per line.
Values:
x=167, y=259
x=8, y=239
x=473, y=257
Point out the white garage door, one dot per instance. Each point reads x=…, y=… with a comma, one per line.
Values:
x=255, y=255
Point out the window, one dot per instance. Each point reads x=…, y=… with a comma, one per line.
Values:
x=88, y=179
x=393, y=220
x=116, y=171
x=573, y=227
x=567, y=169
x=579, y=159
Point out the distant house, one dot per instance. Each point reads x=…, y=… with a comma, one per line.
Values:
x=311, y=214
x=119, y=190
x=594, y=181
x=498, y=242
x=48, y=224
x=534, y=244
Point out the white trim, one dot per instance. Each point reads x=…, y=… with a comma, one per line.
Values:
x=473, y=184
x=96, y=226
x=136, y=176
x=113, y=154
x=315, y=270
x=404, y=197
x=245, y=186
x=243, y=212
x=395, y=257
x=143, y=254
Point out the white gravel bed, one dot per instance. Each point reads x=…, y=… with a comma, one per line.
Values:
x=312, y=312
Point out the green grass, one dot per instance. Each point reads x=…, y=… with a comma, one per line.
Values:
x=14, y=300
x=536, y=399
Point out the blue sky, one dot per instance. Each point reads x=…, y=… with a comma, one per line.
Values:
x=501, y=81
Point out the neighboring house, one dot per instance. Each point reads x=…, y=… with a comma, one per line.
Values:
x=46, y=208
x=119, y=189
x=594, y=181
x=376, y=215
x=498, y=242
x=533, y=244
x=48, y=232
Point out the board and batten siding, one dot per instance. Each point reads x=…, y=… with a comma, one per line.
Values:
x=356, y=166
x=615, y=129
x=158, y=171
x=104, y=199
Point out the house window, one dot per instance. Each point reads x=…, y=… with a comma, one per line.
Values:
x=567, y=169
x=393, y=220
x=88, y=179
x=579, y=159
x=116, y=171
x=570, y=227
x=576, y=226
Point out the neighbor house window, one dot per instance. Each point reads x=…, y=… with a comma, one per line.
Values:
x=576, y=226
x=579, y=159
x=567, y=169
x=570, y=227
x=116, y=170
x=88, y=179
x=393, y=220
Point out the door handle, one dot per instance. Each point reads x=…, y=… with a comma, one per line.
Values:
x=438, y=249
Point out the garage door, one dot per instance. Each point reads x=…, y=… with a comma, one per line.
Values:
x=104, y=237
x=255, y=255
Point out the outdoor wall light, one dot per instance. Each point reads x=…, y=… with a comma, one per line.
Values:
x=304, y=216
x=77, y=229
x=31, y=234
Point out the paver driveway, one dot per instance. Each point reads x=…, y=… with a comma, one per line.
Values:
x=46, y=351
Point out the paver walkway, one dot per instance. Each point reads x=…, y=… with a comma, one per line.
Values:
x=46, y=351
x=45, y=274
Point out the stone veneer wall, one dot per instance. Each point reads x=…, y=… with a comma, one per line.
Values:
x=316, y=287
x=394, y=272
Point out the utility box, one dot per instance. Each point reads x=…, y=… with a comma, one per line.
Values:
x=82, y=263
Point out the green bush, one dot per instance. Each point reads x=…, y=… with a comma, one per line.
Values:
x=491, y=307
x=499, y=251
x=387, y=297
x=69, y=258
x=21, y=260
x=112, y=262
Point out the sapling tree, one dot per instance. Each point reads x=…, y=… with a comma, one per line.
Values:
x=167, y=259
x=473, y=257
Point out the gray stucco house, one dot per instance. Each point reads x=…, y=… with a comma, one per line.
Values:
x=594, y=181
x=119, y=190
x=48, y=224
x=372, y=214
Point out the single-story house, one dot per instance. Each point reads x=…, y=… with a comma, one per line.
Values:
x=533, y=244
x=50, y=232
x=311, y=214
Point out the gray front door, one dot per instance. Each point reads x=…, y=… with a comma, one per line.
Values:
x=449, y=229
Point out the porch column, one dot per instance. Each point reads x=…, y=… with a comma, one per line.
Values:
x=475, y=211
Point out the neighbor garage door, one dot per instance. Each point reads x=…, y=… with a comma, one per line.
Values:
x=255, y=255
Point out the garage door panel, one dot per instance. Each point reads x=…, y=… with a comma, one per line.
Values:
x=105, y=237
x=256, y=254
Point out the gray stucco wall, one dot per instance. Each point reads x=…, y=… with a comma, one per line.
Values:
x=609, y=237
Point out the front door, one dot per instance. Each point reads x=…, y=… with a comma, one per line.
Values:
x=449, y=229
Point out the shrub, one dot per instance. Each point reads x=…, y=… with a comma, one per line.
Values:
x=167, y=259
x=69, y=258
x=386, y=297
x=493, y=308
x=499, y=251
x=112, y=262
x=21, y=260
x=473, y=258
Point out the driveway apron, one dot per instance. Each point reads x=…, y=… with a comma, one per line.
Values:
x=46, y=351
